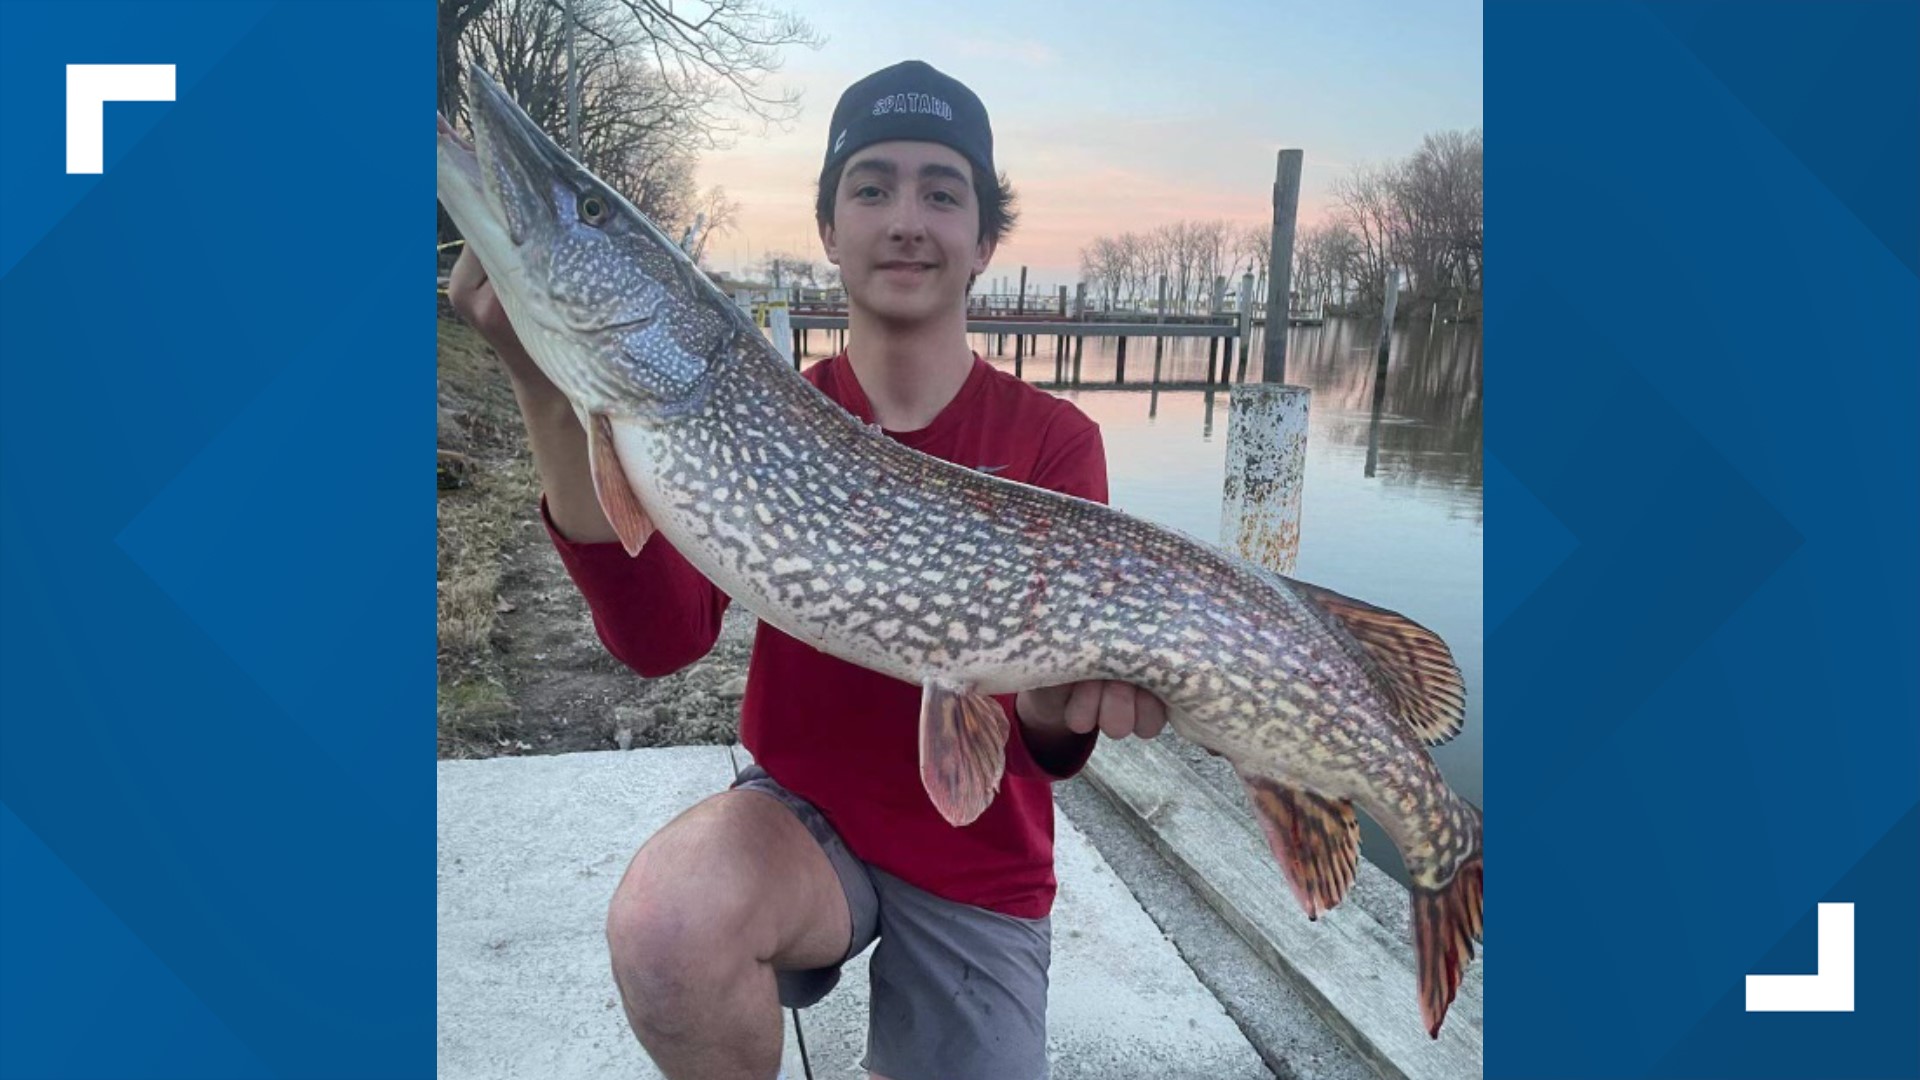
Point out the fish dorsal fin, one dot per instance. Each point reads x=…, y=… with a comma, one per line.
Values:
x=1410, y=662
x=618, y=500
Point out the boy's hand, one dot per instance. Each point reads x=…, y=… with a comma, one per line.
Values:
x=1117, y=708
x=472, y=297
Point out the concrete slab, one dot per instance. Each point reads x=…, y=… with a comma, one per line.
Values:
x=1270, y=1011
x=531, y=848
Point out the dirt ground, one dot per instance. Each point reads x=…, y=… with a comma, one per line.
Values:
x=521, y=668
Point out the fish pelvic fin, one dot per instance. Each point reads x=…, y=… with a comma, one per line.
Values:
x=1316, y=840
x=963, y=750
x=1446, y=923
x=618, y=500
x=1410, y=664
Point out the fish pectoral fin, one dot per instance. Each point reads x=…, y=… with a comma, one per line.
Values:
x=618, y=500
x=1411, y=664
x=1446, y=923
x=963, y=749
x=1316, y=840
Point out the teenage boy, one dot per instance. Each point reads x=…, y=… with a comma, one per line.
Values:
x=755, y=897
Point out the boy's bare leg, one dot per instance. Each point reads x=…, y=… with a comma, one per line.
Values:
x=706, y=910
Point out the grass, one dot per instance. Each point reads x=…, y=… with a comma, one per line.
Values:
x=479, y=422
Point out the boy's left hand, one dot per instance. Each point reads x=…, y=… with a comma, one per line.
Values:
x=1117, y=708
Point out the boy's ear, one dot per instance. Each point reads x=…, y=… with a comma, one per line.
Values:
x=983, y=254
x=827, y=241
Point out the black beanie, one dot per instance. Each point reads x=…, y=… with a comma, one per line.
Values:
x=911, y=100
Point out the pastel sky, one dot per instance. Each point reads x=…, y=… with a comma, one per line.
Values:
x=1121, y=116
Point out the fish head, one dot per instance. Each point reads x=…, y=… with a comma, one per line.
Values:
x=610, y=309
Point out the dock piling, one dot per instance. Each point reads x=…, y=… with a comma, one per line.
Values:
x=1286, y=206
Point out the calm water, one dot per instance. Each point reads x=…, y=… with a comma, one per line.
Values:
x=1405, y=534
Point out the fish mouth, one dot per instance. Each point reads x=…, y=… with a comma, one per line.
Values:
x=523, y=175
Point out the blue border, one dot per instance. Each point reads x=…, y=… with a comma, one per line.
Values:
x=216, y=755
x=1703, y=336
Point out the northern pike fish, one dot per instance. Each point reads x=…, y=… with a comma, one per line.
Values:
x=963, y=583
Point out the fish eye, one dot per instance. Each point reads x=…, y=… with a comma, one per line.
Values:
x=593, y=210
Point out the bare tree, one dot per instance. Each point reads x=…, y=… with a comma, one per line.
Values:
x=659, y=80
x=699, y=46
x=718, y=216
x=706, y=52
x=1213, y=245
x=1136, y=260
x=1366, y=198
x=785, y=270
x=1422, y=216
x=1255, y=244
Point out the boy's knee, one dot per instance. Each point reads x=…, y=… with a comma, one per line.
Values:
x=673, y=940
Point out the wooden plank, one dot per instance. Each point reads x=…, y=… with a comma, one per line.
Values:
x=1356, y=974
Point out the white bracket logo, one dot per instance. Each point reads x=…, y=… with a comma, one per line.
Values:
x=89, y=88
x=1829, y=989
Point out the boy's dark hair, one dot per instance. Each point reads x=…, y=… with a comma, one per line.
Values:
x=994, y=196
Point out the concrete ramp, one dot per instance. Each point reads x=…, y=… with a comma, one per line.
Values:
x=530, y=850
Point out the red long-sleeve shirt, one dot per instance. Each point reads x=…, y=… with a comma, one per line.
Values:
x=840, y=736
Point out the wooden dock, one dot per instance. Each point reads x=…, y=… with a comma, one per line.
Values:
x=1069, y=341
x=1355, y=973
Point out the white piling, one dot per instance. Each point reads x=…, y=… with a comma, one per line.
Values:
x=782, y=327
x=1266, y=472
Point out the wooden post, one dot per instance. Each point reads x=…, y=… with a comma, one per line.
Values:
x=1079, y=346
x=1120, y=362
x=1386, y=318
x=1080, y=301
x=1286, y=206
x=1380, y=370
x=1246, y=329
x=1022, y=308
x=1160, y=342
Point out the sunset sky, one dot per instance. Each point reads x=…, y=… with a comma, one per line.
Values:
x=1121, y=116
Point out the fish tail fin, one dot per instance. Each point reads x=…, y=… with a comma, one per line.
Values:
x=1446, y=923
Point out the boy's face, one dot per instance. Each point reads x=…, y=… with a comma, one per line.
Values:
x=906, y=230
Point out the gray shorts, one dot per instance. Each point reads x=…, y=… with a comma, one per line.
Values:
x=958, y=992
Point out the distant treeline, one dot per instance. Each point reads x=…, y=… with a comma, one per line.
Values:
x=1421, y=214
